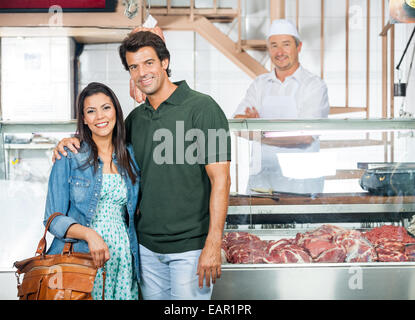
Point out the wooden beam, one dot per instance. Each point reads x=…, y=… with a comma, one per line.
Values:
x=392, y=73
x=192, y=10
x=95, y=34
x=347, y=53
x=322, y=39
x=260, y=45
x=82, y=35
x=239, y=43
x=277, y=9
x=367, y=59
x=115, y=19
x=338, y=110
x=384, y=35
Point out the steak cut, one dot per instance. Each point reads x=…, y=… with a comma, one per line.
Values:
x=389, y=242
x=358, y=248
x=389, y=233
x=243, y=247
x=334, y=254
x=410, y=252
x=284, y=251
x=320, y=245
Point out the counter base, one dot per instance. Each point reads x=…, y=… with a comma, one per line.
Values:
x=356, y=281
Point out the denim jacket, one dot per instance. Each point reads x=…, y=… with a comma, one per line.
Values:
x=75, y=192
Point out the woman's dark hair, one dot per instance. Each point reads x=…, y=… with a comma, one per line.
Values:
x=137, y=40
x=118, y=134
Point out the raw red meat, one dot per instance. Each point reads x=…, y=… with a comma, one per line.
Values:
x=325, y=232
x=327, y=243
x=391, y=246
x=330, y=243
x=410, y=252
x=240, y=236
x=252, y=252
x=284, y=251
x=358, y=248
x=389, y=242
x=243, y=247
x=334, y=254
x=320, y=245
x=389, y=233
x=316, y=246
x=391, y=256
x=273, y=245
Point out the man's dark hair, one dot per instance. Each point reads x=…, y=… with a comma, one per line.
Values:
x=137, y=40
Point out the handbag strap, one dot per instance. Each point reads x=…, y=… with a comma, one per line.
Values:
x=41, y=247
x=104, y=277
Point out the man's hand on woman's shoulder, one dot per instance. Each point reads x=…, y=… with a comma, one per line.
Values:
x=73, y=144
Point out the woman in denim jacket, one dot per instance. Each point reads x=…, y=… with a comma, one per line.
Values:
x=97, y=189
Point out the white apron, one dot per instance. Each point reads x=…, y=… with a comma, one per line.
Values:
x=268, y=174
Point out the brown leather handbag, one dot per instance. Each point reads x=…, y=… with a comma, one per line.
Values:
x=66, y=276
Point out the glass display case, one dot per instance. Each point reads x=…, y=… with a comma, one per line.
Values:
x=25, y=164
x=319, y=209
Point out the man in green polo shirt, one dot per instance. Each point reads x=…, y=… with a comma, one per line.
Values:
x=182, y=146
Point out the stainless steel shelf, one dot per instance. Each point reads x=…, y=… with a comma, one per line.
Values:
x=8, y=127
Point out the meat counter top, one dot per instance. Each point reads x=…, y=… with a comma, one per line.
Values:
x=318, y=199
x=321, y=208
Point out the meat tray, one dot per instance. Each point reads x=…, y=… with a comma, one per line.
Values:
x=357, y=280
x=290, y=215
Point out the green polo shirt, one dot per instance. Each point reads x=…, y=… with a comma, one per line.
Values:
x=172, y=145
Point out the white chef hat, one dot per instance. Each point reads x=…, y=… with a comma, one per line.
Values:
x=283, y=26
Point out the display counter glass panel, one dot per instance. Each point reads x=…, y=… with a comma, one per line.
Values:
x=320, y=209
x=26, y=161
x=318, y=201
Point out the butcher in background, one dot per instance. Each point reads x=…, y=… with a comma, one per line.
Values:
x=289, y=91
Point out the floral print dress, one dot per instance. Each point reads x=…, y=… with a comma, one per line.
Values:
x=109, y=222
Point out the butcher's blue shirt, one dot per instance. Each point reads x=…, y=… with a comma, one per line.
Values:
x=75, y=191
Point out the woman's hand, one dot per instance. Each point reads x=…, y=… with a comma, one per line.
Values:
x=98, y=248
